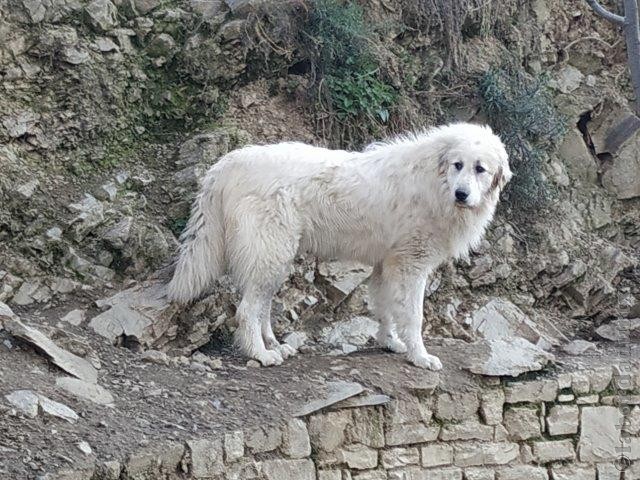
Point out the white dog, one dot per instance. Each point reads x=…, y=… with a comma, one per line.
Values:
x=403, y=207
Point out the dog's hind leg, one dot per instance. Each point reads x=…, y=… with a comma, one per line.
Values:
x=270, y=340
x=387, y=337
x=261, y=251
x=248, y=336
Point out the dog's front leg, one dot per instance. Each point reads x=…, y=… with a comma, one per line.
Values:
x=409, y=305
x=381, y=305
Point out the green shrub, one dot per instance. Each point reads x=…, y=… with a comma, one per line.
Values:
x=521, y=111
x=353, y=100
x=354, y=95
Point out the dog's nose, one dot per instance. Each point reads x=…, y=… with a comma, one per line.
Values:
x=461, y=195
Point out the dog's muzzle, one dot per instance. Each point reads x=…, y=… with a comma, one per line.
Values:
x=461, y=196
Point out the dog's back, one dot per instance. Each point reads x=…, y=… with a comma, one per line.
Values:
x=255, y=182
x=262, y=165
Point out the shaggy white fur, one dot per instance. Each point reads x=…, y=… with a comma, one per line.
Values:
x=403, y=206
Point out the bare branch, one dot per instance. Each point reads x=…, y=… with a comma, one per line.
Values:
x=606, y=14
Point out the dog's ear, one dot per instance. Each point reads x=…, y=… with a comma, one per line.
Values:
x=442, y=154
x=501, y=178
x=443, y=163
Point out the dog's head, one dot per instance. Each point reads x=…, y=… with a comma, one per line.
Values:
x=474, y=164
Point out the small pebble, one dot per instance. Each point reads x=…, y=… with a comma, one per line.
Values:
x=84, y=447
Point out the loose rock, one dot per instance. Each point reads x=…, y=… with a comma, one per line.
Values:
x=28, y=402
x=67, y=361
x=74, y=317
x=336, y=392
x=511, y=357
x=620, y=330
x=87, y=391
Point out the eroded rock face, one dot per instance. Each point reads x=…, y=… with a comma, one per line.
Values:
x=568, y=79
x=103, y=14
x=622, y=178
x=577, y=158
x=141, y=312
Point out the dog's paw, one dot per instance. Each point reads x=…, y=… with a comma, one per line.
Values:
x=269, y=358
x=395, y=345
x=391, y=343
x=286, y=350
x=271, y=343
x=430, y=362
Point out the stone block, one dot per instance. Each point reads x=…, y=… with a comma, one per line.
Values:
x=327, y=430
x=400, y=457
x=554, y=450
x=564, y=380
x=600, y=378
x=573, y=472
x=479, y=474
x=633, y=472
x=466, y=431
x=357, y=457
x=522, y=423
x=632, y=422
x=491, y=405
x=401, y=412
x=600, y=434
x=580, y=382
x=563, y=420
x=367, y=427
x=109, y=470
x=411, y=433
x=156, y=458
x=370, y=475
x=436, y=455
x=566, y=397
x=632, y=447
x=500, y=434
x=418, y=473
x=233, y=446
x=608, y=471
x=522, y=472
x=295, y=441
x=289, y=470
x=206, y=458
x=263, y=439
x=329, y=475
x=243, y=469
x=526, y=454
x=534, y=391
x=458, y=406
x=486, y=453
x=588, y=399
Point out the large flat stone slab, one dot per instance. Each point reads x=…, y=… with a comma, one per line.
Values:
x=67, y=361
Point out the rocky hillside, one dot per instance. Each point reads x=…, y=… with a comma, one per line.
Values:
x=110, y=111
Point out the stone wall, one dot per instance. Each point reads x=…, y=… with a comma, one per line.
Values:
x=582, y=425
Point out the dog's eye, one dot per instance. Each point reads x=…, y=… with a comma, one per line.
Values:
x=480, y=169
x=458, y=165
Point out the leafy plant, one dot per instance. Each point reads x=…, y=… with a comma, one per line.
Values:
x=521, y=110
x=353, y=97
x=360, y=95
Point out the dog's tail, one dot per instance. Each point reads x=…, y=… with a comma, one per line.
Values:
x=201, y=254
